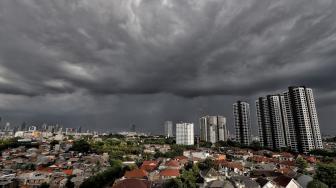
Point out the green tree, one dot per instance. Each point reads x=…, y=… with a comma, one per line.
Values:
x=207, y=164
x=173, y=183
x=301, y=163
x=205, y=144
x=81, y=146
x=44, y=185
x=106, y=177
x=326, y=173
x=256, y=145
x=317, y=184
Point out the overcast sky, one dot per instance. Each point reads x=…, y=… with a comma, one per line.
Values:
x=107, y=64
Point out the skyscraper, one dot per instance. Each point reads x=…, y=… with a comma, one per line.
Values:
x=213, y=129
x=241, y=112
x=185, y=133
x=273, y=122
x=168, y=128
x=303, y=123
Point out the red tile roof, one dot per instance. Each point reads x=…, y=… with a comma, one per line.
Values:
x=287, y=163
x=311, y=159
x=149, y=165
x=170, y=173
x=232, y=165
x=129, y=183
x=68, y=172
x=173, y=163
x=259, y=159
x=136, y=173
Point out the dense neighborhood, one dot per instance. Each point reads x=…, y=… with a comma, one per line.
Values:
x=118, y=161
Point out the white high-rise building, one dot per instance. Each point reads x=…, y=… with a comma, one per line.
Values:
x=185, y=133
x=213, y=129
x=241, y=112
x=303, y=123
x=168, y=128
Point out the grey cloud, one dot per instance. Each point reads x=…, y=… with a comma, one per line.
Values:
x=178, y=50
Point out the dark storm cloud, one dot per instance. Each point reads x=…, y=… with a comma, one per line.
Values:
x=83, y=56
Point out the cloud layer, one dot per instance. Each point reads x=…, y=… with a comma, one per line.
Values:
x=113, y=63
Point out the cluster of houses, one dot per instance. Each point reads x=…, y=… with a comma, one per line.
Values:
x=237, y=168
x=52, y=165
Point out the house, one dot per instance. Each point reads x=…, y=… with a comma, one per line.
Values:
x=285, y=156
x=35, y=178
x=136, y=173
x=303, y=180
x=182, y=159
x=286, y=182
x=149, y=165
x=132, y=183
x=199, y=154
x=265, y=174
x=219, y=184
x=172, y=164
x=209, y=175
x=230, y=167
x=8, y=181
x=244, y=182
x=265, y=183
x=169, y=174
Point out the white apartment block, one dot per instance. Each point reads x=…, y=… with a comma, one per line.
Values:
x=185, y=133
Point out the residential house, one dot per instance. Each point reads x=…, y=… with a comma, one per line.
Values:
x=169, y=174
x=286, y=182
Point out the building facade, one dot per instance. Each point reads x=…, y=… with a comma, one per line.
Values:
x=168, y=129
x=213, y=129
x=273, y=122
x=303, y=122
x=185, y=133
x=241, y=112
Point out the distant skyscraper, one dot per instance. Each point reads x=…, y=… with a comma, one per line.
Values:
x=7, y=127
x=168, y=128
x=213, y=129
x=23, y=126
x=241, y=112
x=185, y=133
x=133, y=128
x=273, y=122
x=304, y=127
x=79, y=129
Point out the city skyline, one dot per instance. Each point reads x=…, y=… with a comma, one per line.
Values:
x=108, y=65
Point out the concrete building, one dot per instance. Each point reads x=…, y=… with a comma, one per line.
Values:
x=304, y=127
x=185, y=133
x=273, y=122
x=168, y=128
x=213, y=129
x=241, y=112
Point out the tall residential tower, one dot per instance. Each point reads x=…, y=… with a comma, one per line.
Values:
x=241, y=112
x=213, y=129
x=273, y=122
x=302, y=118
x=185, y=133
x=289, y=120
x=168, y=128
